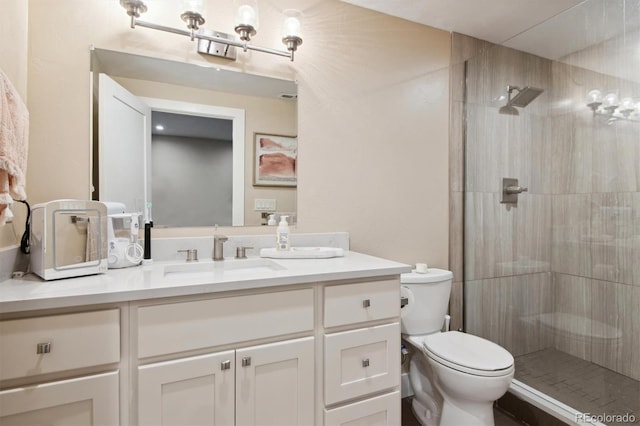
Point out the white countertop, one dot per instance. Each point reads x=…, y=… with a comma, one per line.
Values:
x=149, y=282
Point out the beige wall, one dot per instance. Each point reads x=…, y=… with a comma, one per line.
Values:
x=373, y=112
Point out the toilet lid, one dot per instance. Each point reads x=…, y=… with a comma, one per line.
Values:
x=469, y=352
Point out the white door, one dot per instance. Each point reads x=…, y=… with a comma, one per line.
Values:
x=275, y=384
x=91, y=400
x=188, y=391
x=124, y=135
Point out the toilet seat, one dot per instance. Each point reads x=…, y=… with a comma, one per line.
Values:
x=468, y=353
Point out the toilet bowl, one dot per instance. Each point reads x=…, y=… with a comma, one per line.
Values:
x=455, y=377
x=470, y=373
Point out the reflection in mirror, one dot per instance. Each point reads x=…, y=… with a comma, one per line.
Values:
x=186, y=149
x=250, y=104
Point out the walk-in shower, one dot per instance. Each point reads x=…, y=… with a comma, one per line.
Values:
x=523, y=97
x=554, y=279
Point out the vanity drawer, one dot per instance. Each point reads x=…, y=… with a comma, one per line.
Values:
x=178, y=327
x=360, y=362
x=355, y=303
x=382, y=410
x=74, y=341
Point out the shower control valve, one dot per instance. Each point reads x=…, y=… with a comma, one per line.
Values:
x=515, y=189
x=510, y=191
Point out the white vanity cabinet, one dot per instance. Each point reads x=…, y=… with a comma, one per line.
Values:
x=61, y=369
x=362, y=353
x=315, y=343
x=246, y=384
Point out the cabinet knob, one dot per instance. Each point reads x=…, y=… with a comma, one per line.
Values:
x=365, y=362
x=246, y=361
x=43, y=348
x=225, y=365
x=366, y=303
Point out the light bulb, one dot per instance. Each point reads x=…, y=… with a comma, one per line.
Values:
x=195, y=6
x=246, y=14
x=292, y=26
x=626, y=104
x=611, y=100
x=594, y=96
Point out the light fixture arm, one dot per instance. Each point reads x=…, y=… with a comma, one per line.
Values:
x=212, y=38
x=194, y=20
x=613, y=116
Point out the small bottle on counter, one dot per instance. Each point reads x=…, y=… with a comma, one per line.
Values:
x=282, y=234
x=272, y=220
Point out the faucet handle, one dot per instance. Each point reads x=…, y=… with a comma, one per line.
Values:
x=192, y=254
x=240, y=252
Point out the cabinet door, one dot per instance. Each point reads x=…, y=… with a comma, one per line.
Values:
x=91, y=400
x=275, y=384
x=379, y=411
x=188, y=391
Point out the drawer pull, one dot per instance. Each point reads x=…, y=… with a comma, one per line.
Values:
x=366, y=303
x=225, y=365
x=246, y=361
x=365, y=362
x=43, y=348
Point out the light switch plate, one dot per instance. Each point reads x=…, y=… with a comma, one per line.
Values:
x=264, y=204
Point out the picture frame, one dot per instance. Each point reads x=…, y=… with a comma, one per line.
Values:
x=275, y=160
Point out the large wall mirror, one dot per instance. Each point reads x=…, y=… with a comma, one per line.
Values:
x=187, y=140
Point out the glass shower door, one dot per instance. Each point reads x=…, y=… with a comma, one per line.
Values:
x=555, y=277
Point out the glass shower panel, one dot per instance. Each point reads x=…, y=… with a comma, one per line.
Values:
x=555, y=277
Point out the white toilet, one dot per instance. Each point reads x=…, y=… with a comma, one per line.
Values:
x=469, y=373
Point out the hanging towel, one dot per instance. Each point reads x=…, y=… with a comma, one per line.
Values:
x=14, y=143
x=92, y=252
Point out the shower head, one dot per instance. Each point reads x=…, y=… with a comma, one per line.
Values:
x=508, y=110
x=525, y=96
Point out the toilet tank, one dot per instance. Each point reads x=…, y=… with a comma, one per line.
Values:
x=428, y=300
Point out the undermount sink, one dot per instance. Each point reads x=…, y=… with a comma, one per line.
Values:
x=223, y=269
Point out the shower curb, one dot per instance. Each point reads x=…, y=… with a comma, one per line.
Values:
x=544, y=406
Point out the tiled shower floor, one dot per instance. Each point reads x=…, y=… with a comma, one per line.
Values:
x=582, y=385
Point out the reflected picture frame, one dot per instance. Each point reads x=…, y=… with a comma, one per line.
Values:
x=275, y=160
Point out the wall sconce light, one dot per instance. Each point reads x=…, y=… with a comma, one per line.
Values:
x=221, y=44
x=609, y=106
x=246, y=22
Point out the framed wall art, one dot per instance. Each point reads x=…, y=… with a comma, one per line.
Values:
x=275, y=160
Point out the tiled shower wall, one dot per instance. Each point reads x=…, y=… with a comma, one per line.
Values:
x=562, y=267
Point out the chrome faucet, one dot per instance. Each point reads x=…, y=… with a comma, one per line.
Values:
x=218, y=249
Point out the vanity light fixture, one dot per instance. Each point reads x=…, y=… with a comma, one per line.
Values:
x=611, y=107
x=218, y=43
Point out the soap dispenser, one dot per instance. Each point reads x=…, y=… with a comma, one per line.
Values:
x=282, y=234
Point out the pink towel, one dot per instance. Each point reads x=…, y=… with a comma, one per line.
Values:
x=14, y=143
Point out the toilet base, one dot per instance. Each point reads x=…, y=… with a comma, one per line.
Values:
x=474, y=414
x=423, y=414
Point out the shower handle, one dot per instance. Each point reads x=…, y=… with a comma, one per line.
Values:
x=515, y=189
x=510, y=190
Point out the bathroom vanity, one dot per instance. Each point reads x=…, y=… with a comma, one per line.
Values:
x=286, y=342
